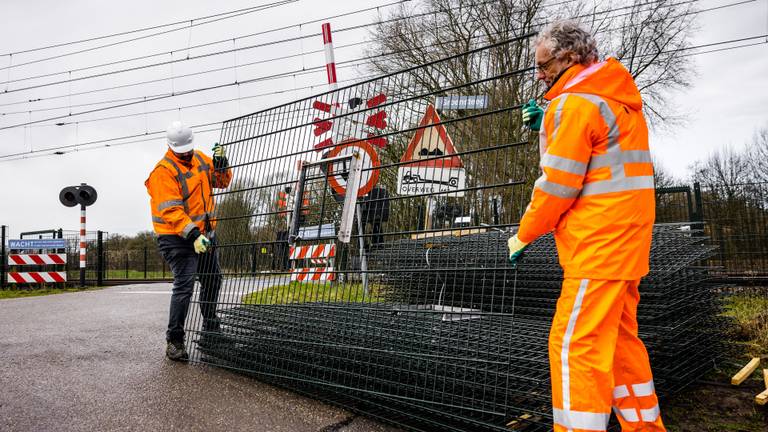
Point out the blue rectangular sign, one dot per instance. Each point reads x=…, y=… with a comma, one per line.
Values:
x=37, y=244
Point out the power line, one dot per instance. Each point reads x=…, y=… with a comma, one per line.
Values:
x=167, y=79
x=258, y=46
x=179, y=108
x=204, y=45
x=255, y=9
x=111, y=35
x=216, y=53
x=58, y=150
x=278, y=58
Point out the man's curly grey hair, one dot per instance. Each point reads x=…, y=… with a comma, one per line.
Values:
x=567, y=36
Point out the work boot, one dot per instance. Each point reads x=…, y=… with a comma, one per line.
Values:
x=176, y=351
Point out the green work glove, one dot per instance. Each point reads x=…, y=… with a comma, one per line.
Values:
x=202, y=244
x=533, y=115
x=219, y=151
x=516, y=249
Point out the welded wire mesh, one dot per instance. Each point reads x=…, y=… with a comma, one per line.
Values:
x=418, y=319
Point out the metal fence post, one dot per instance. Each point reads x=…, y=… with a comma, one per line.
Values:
x=2, y=256
x=699, y=213
x=145, y=262
x=126, y=264
x=99, y=258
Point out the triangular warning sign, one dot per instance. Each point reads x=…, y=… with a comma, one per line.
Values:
x=431, y=142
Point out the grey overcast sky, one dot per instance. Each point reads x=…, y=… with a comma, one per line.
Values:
x=726, y=104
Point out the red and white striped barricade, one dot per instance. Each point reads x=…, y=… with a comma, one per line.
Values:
x=321, y=255
x=20, y=259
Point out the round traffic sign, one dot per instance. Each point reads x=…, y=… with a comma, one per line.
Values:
x=369, y=175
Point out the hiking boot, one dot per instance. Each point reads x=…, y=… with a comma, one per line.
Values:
x=176, y=351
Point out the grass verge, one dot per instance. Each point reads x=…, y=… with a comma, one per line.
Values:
x=296, y=292
x=749, y=312
x=18, y=293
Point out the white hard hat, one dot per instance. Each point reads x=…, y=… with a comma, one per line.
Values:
x=180, y=137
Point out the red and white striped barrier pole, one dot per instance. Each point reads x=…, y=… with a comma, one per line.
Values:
x=330, y=63
x=82, y=245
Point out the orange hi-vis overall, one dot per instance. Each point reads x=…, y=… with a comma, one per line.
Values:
x=181, y=193
x=597, y=194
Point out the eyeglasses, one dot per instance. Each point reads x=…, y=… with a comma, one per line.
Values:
x=544, y=65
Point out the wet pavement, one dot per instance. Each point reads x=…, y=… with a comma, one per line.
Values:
x=94, y=361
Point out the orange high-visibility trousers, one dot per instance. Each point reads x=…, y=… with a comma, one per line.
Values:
x=597, y=362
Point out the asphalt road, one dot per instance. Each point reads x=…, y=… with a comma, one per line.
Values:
x=95, y=361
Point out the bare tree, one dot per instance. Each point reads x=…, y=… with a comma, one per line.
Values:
x=646, y=36
x=650, y=38
x=725, y=169
x=757, y=155
x=662, y=177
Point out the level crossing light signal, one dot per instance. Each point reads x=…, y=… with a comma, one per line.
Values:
x=84, y=195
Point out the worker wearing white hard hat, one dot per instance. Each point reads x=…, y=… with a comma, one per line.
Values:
x=184, y=224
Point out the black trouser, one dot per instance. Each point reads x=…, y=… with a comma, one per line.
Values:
x=185, y=264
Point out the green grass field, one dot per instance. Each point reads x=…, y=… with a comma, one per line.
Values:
x=296, y=292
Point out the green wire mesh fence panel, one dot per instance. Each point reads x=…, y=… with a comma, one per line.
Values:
x=415, y=318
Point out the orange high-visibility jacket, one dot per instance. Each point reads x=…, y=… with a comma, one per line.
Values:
x=596, y=190
x=181, y=193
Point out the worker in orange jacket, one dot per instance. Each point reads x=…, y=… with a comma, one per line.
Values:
x=596, y=192
x=180, y=187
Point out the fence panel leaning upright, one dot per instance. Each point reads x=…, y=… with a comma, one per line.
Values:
x=442, y=155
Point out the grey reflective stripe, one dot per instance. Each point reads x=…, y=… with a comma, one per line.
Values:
x=558, y=114
x=200, y=217
x=158, y=220
x=581, y=419
x=643, y=389
x=203, y=166
x=628, y=414
x=614, y=158
x=650, y=414
x=618, y=185
x=555, y=189
x=620, y=392
x=613, y=150
x=565, y=372
x=188, y=229
x=182, y=182
x=563, y=164
x=170, y=203
x=629, y=156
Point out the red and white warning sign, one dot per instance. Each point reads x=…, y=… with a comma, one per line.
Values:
x=37, y=277
x=369, y=160
x=37, y=259
x=350, y=120
x=432, y=163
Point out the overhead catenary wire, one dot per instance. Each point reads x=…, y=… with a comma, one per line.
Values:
x=207, y=44
x=258, y=79
x=226, y=68
x=111, y=35
x=252, y=10
x=226, y=51
x=346, y=66
x=52, y=151
x=290, y=56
